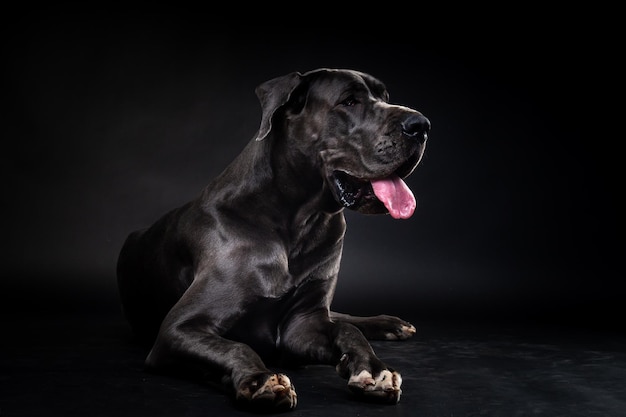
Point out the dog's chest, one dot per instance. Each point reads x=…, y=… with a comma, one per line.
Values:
x=315, y=245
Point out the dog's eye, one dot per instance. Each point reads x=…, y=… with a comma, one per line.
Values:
x=350, y=101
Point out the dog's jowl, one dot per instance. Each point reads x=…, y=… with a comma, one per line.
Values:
x=244, y=275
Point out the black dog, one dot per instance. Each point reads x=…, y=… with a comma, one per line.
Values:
x=248, y=269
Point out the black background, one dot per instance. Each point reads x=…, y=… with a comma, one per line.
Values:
x=113, y=119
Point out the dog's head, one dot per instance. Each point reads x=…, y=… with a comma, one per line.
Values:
x=340, y=124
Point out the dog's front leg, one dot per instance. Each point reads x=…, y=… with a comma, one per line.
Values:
x=314, y=338
x=189, y=343
x=381, y=327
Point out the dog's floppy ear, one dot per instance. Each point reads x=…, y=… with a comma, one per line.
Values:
x=273, y=94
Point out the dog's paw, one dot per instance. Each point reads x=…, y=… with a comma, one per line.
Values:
x=398, y=329
x=384, y=387
x=384, y=327
x=267, y=392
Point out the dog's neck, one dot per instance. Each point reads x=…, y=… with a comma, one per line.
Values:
x=299, y=179
x=290, y=184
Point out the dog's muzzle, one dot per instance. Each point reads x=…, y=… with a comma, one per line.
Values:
x=388, y=193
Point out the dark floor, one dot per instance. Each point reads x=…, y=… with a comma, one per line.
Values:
x=86, y=365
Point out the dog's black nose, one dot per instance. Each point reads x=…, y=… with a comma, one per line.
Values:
x=416, y=126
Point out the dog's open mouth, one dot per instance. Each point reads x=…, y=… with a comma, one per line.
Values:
x=388, y=194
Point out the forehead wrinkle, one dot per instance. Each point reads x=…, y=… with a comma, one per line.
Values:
x=339, y=86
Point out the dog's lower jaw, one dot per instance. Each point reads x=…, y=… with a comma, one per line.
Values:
x=354, y=194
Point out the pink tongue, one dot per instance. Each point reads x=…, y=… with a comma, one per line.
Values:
x=396, y=196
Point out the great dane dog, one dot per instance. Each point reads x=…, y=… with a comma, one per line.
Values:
x=244, y=275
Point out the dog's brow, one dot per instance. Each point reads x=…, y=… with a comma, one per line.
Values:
x=356, y=87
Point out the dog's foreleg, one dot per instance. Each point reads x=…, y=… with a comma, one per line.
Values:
x=314, y=338
x=232, y=365
x=381, y=327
